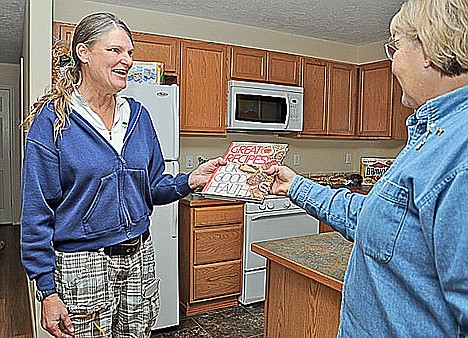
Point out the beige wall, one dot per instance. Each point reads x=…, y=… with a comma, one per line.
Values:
x=316, y=155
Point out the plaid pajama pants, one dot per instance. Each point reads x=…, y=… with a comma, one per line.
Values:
x=109, y=296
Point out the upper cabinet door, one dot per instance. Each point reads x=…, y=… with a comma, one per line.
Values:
x=248, y=64
x=284, y=68
x=375, y=100
x=203, y=99
x=342, y=99
x=315, y=79
x=150, y=47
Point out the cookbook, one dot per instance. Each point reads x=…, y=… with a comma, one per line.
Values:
x=243, y=178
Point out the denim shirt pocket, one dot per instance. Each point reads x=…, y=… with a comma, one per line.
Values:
x=381, y=220
x=137, y=194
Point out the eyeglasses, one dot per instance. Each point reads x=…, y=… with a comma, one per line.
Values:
x=390, y=48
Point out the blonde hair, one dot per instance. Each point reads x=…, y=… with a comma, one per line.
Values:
x=441, y=28
x=89, y=30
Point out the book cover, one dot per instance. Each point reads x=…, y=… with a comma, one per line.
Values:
x=243, y=178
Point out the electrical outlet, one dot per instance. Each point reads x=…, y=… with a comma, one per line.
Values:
x=297, y=159
x=189, y=162
x=348, y=158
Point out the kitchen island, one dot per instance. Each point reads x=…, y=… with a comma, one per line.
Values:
x=304, y=282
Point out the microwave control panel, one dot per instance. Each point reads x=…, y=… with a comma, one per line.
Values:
x=294, y=115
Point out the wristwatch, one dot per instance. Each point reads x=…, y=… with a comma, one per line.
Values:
x=43, y=294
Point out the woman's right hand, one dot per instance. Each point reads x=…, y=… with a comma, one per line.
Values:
x=284, y=176
x=55, y=319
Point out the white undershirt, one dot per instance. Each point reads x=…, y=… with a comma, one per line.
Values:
x=116, y=135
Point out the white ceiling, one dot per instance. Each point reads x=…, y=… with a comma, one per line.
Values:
x=356, y=22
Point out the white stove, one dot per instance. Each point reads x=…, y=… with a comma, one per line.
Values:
x=277, y=217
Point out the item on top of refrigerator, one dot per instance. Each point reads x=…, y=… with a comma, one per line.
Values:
x=146, y=72
x=373, y=168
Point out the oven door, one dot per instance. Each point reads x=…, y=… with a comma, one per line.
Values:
x=274, y=225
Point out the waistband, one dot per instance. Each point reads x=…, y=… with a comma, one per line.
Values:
x=128, y=247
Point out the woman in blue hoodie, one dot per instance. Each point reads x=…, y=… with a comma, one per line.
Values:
x=92, y=171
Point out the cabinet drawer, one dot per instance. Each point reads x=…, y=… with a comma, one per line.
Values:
x=218, y=279
x=218, y=215
x=217, y=244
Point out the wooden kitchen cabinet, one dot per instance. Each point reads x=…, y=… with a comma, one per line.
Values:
x=248, y=64
x=330, y=96
x=210, y=253
x=342, y=99
x=381, y=113
x=375, y=100
x=264, y=66
x=315, y=83
x=284, y=68
x=150, y=47
x=203, y=88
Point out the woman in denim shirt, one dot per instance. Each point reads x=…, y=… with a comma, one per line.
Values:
x=408, y=271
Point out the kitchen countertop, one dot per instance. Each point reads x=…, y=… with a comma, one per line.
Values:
x=322, y=257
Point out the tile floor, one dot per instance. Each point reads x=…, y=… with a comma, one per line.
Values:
x=236, y=322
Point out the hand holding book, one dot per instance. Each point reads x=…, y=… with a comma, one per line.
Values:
x=200, y=176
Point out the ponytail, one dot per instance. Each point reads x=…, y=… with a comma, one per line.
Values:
x=60, y=94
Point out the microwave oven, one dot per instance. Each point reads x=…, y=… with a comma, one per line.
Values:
x=257, y=107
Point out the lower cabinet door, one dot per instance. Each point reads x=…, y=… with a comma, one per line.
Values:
x=217, y=243
x=217, y=279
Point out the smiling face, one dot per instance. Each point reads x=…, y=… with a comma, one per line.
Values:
x=106, y=62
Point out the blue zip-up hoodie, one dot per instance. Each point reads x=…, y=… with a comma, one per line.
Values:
x=79, y=194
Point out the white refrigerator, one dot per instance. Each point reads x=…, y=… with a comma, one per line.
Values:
x=162, y=102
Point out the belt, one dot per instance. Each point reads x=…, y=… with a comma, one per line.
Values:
x=129, y=247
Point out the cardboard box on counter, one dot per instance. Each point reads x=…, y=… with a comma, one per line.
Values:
x=373, y=168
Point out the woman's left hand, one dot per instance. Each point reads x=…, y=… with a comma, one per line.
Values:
x=200, y=176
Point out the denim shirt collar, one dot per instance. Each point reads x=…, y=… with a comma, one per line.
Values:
x=431, y=117
x=435, y=109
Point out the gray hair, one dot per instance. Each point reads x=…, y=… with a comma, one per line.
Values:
x=441, y=28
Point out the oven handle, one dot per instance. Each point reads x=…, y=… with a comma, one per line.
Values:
x=277, y=214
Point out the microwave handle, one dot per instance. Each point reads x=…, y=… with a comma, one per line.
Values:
x=288, y=100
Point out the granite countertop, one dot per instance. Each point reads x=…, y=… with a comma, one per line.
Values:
x=322, y=257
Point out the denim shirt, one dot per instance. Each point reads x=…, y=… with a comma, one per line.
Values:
x=408, y=271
